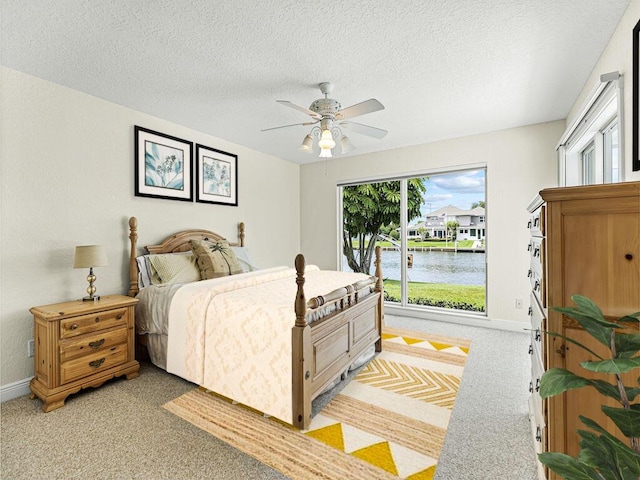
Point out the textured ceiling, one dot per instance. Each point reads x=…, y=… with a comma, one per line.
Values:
x=442, y=68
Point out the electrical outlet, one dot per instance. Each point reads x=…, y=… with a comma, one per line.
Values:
x=31, y=348
x=518, y=303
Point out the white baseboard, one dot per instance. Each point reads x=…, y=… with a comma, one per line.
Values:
x=15, y=390
x=462, y=318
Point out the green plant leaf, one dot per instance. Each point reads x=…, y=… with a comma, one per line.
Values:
x=627, y=420
x=618, y=365
x=558, y=380
x=568, y=467
x=601, y=332
x=609, y=390
x=631, y=318
x=598, y=454
x=627, y=459
x=588, y=306
x=627, y=344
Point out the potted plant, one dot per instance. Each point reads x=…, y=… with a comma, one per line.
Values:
x=602, y=456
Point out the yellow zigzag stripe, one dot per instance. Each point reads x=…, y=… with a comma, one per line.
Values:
x=425, y=385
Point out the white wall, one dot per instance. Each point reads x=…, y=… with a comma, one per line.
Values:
x=67, y=170
x=617, y=56
x=520, y=162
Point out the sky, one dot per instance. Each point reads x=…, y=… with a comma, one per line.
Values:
x=459, y=189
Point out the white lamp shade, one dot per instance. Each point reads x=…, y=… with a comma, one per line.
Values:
x=326, y=141
x=307, y=144
x=325, y=153
x=346, y=144
x=87, y=256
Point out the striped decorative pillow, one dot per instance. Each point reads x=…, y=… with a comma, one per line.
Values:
x=173, y=268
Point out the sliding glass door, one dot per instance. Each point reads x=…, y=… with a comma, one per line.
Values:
x=432, y=229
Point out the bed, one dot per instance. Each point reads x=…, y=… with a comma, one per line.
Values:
x=254, y=337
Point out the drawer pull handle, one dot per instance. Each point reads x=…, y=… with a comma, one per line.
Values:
x=529, y=224
x=530, y=312
x=97, y=344
x=536, y=221
x=538, y=434
x=628, y=256
x=74, y=326
x=537, y=334
x=537, y=285
x=529, y=247
x=537, y=385
x=118, y=317
x=96, y=363
x=530, y=387
x=530, y=349
x=536, y=252
x=529, y=273
x=97, y=319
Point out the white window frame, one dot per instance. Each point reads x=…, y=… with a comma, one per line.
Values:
x=602, y=110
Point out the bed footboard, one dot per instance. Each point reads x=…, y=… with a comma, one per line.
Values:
x=324, y=349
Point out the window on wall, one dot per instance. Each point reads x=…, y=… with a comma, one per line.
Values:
x=588, y=165
x=590, y=150
x=432, y=231
x=611, y=153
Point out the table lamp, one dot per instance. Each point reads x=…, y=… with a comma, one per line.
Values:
x=89, y=256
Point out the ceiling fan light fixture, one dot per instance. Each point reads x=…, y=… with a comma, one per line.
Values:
x=326, y=141
x=307, y=144
x=346, y=145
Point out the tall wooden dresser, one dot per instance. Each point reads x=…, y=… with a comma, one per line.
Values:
x=589, y=244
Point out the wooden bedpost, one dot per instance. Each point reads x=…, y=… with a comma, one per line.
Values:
x=379, y=288
x=241, y=233
x=301, y=354
x=133, y=268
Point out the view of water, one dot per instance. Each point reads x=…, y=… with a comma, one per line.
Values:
x=461, y=268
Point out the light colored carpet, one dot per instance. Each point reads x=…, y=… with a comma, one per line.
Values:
x=388, y=422
x=121, y=431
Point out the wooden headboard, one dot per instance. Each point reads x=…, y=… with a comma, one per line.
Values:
x=178, y=242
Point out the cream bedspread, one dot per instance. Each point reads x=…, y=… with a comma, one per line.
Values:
x=233, y=335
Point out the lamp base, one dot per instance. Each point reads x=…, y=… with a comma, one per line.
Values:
x=93, y=298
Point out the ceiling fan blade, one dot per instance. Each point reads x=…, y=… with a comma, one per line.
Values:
x=368, y=106
x=364, y=129
x=301, y=109
x=292, y=125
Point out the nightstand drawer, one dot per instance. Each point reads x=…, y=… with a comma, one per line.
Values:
x=88, y=344
x=90, y=364
x=72, y=327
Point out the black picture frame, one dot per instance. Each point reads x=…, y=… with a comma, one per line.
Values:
x=216, y=176
x=163, y=165
x=636, y=99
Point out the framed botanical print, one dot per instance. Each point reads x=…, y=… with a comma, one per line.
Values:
x=216, y=176
x=163, y=166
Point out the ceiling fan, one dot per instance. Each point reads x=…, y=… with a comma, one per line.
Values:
x=333, y=119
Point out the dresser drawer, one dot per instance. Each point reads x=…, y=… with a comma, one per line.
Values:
x=536, y=222
x=537, y=286
x=80, y=325
x=90, y=364
x=87, y=344
x=537, y=253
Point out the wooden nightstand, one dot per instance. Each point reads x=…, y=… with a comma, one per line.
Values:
x=82, y=344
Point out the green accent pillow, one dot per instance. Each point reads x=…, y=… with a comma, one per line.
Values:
x=215, y=259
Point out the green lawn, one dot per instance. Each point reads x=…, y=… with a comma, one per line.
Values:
x=460, y=297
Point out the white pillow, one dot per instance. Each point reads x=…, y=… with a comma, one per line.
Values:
x=242, y=254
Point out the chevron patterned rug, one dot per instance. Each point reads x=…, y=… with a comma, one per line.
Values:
x=389, y=422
